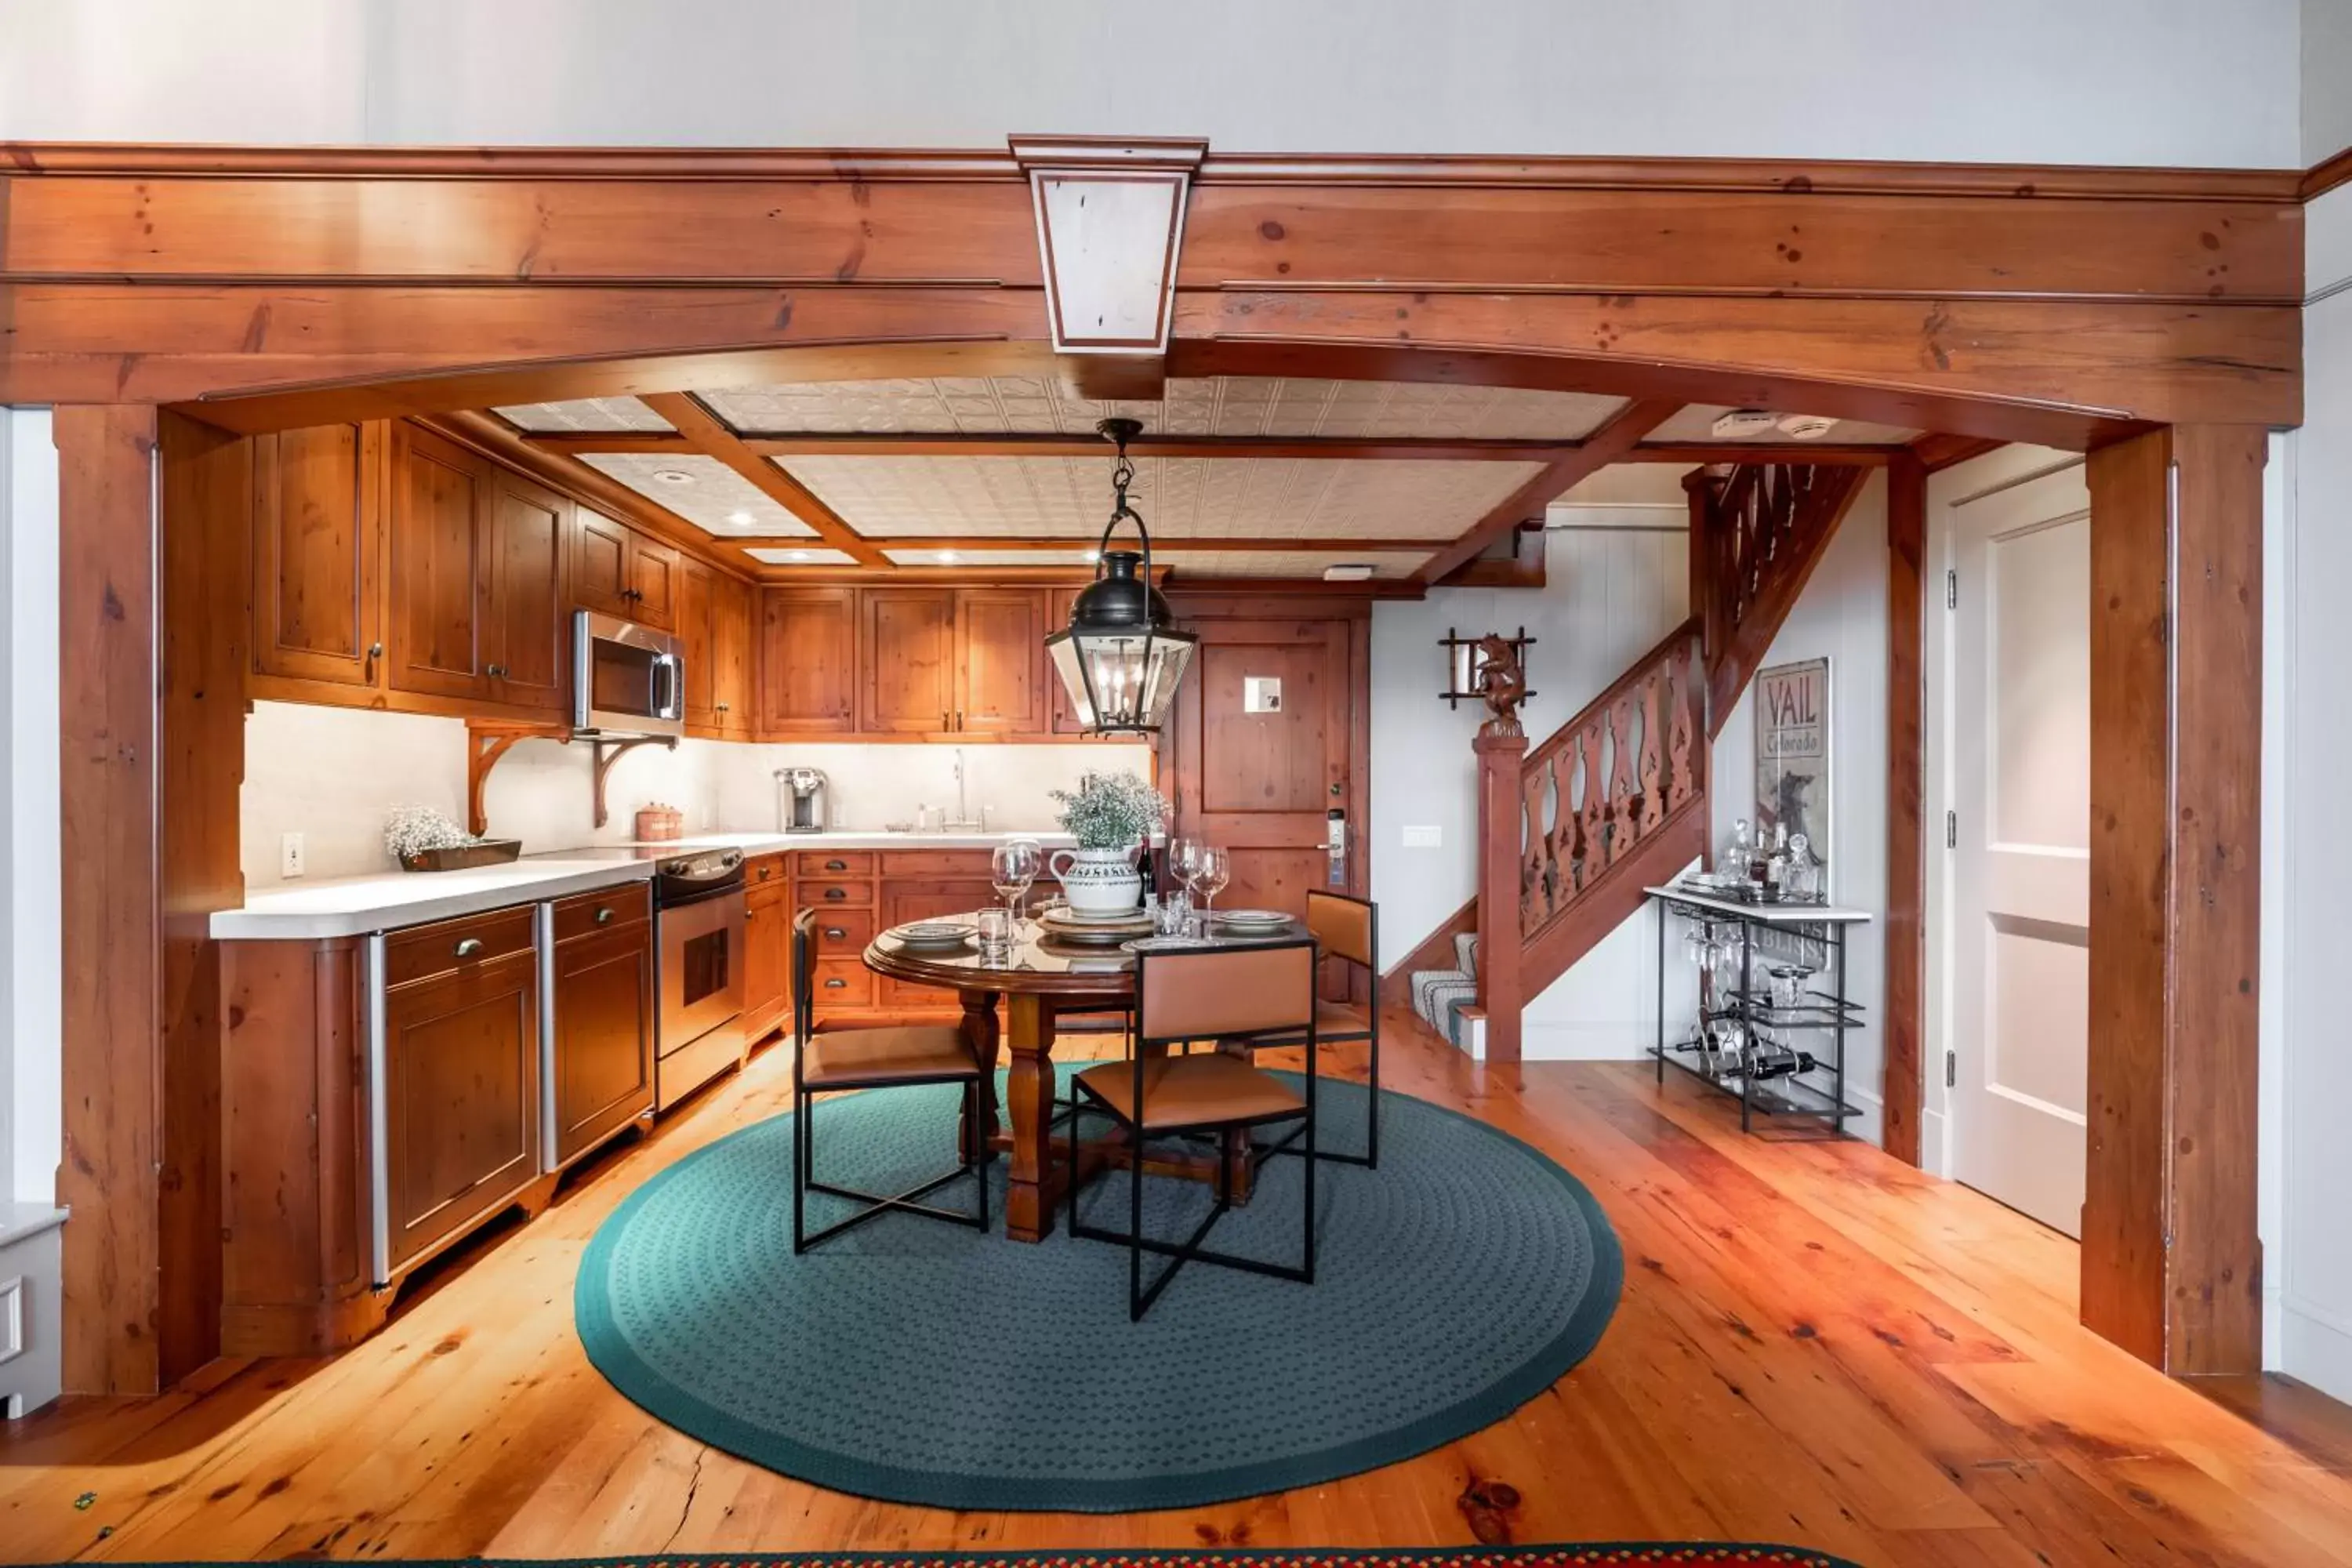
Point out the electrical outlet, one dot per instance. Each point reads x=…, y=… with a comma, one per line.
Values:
x=1425, y=837
x=289, y=854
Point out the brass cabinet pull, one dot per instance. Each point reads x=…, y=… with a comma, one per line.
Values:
x=375, y=652
x=836, y=865
x=766, y=872
x=469, y=946
x=604, y=917
x=497, y=672
x=835, y=933
x=836, y=894
x=837, y=984
x=720, y=707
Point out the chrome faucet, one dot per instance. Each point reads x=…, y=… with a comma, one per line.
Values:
x=964, y=821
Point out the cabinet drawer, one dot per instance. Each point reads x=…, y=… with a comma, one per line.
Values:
x=829, y=895
x=972, y=863
x=855, y=929
x=422, y=951
x=763, y=869
x=816, y=865
x=841, y=982
x=606, y=908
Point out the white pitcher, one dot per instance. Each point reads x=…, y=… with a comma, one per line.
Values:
x=1098, y=881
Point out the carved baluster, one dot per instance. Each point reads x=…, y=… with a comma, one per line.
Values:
x=1654, y=750
x=1623, y=807
x=1682, y=728
x=1539, y=876
x=1591, y=744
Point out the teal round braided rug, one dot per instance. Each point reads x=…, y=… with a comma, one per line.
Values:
x=927, y=1364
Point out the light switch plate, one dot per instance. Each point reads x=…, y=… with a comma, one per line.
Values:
x=289, y=854
x=1425, y=837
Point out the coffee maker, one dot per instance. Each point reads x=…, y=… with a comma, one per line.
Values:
x=801, y=799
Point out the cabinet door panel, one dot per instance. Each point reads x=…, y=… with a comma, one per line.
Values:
x=730, y=636
x=603, y=1035
x=767, y=964
x=922, y=900
x=697, y=604
x=1001, y=660
x=654, y=582
x=461, y=1099
x=1057, y=615
x=318, y=554
x=440, y=567
x=600, y=563
x=528, y=611
x=808, y=660
x=907, y=682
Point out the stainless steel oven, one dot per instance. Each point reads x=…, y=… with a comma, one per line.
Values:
x=625, y=677
x=699, y=970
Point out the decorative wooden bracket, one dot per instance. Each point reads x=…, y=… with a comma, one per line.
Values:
x=487, y=740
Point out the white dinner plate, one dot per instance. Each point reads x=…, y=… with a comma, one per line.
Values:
x=1252, y=918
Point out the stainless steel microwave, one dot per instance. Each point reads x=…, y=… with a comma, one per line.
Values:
x=626, y=678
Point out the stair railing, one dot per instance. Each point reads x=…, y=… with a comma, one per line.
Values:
x=1556, y=819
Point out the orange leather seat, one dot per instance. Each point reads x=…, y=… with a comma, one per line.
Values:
x=887, y=1055
x=1192, y=1091
x=1335, y=1020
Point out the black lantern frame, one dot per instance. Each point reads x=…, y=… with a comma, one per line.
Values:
x=1120, y=657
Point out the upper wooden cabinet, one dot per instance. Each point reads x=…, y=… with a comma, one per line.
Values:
x=318, y=554
x=731, y=687
x=622, y=572
x=477, y=600
x=808, y=661
x=907, y=682
x=999, y=661
x=697, y=636
x=1057, y=615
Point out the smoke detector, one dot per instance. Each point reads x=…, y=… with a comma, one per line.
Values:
x=1741, y=422
x=1352, y=572
x=1806, y=427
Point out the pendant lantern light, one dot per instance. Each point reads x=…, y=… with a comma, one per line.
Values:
x=1121, y=657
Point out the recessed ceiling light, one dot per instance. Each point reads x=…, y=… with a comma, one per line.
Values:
x=739, y=518
x=796, y=555
x=1090, y=553
x=673, y=475
x=947, y=557
x=1806, y=427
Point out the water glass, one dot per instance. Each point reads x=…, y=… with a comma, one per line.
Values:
x=995, y=936
x=1172, y=916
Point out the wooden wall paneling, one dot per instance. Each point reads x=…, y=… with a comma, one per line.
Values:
x=319, y=497
x=2171, y=1261
x=1907, y=841
x=906, y=671
x=109, y=912
x=808, y=661
x=526, y=611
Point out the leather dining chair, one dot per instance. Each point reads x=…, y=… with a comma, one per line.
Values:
x=1240, y=994
x=1348, y=929
x=874, y=1059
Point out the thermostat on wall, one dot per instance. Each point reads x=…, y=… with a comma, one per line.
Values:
x=1261, y=694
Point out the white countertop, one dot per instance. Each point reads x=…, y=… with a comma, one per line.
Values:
x=1766, y=914
x=856, y=838
x=353, y=906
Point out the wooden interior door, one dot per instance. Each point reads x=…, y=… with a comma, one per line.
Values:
x=2020, y=856
x=1260, y=784
x=907, y=679
x=318, y=554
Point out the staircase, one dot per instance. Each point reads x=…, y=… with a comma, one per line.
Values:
x=1572, y=829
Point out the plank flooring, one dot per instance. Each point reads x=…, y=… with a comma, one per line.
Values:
x=1817, y=1345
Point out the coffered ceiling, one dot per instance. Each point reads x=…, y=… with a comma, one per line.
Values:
x=1237, y=476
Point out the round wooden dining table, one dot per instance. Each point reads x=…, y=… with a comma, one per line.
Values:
x=1042, y=979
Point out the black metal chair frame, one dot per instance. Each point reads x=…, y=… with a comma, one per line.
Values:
x=1086, y=1098
x=975, y=1163
x=1370, y=1157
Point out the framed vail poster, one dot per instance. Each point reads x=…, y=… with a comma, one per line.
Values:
x=1793, y=755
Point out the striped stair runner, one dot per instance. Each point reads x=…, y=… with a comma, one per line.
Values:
x=1439, y=995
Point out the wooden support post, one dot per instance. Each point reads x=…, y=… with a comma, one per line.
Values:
x=1501, y=809
x=2171, y=1262
x=1907, y=850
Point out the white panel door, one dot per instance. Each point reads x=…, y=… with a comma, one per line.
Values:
x=2021, y=883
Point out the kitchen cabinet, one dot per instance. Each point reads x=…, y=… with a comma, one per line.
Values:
x=319, y=502
x=808, y=661
x=461, y=1090
x=476, y=578
x=951, y=661
x=696, y=585
x=907, y=682
x=714, y=616
x=1065, y=720
x=767, y=954
x=620, y=571
x=602, y=997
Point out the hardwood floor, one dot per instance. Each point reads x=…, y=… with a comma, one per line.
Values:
x=1816, y=1346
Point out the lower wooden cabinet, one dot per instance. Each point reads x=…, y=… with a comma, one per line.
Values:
x=601, y=1057
x=767, y=960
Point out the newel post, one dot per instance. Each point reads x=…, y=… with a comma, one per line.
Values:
x=1502, y=758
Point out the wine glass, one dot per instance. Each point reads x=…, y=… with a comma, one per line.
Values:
x=1211, y=871
x=1011, y=869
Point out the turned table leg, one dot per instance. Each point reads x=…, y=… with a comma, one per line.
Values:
x=980, y=1030
x=1030, y=1183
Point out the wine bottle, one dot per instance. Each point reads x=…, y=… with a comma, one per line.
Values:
x=1776, y=865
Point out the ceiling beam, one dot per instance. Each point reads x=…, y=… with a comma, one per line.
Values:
x=709, y=436
x=1028, y=544
x=1050, y=443
x=1937, y=452
x=1606, y=446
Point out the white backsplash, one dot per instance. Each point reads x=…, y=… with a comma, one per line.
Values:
x=333, y=774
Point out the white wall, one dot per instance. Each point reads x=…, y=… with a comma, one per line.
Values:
x=2326, y=78
x=2308, y=1259
x=333, y=774
x=2125, y=81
